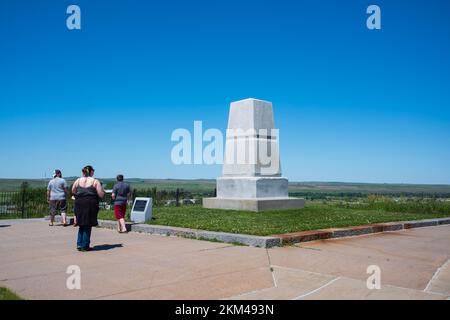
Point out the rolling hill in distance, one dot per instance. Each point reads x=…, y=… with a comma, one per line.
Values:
x=208, y=185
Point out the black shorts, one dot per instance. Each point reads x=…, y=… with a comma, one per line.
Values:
x=57, y=205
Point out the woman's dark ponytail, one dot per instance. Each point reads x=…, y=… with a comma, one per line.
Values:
x=87, y=171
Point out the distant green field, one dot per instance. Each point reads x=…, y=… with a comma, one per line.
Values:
x=169, y=185
x=295, y=188
x=382, y=188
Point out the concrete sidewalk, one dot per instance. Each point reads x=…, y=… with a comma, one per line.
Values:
x=34, y=258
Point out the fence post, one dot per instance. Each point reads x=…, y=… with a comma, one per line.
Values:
x=24, y=189
x=178, y=197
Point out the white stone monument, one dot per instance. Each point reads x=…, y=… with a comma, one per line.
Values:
x=142, y=210
x=251, y=177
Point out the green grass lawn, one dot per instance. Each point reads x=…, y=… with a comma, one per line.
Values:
x=313, y=216
x=6, y=294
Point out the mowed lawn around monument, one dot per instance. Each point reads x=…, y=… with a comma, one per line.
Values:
x=313, y=216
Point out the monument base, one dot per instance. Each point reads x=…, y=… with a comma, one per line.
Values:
x=252, y=187
x=254, y=204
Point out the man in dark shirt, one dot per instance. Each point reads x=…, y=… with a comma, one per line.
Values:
x=120, y=195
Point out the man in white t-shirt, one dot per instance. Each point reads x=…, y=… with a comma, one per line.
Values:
x=56, y=197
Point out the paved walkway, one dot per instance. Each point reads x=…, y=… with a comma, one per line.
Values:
x=34, y=258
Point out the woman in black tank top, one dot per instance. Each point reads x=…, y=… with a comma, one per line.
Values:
x=87, y=192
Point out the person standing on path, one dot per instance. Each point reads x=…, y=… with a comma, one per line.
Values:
x=88, y=191
x=56, y=197
x=120, y=195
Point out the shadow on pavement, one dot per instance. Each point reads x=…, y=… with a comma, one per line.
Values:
x=5, y=225
x=104, y=247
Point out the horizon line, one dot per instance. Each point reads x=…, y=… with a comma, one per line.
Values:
x=213, y=179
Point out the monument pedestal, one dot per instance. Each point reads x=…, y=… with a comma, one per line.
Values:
x=253, y=204
x=252, y=187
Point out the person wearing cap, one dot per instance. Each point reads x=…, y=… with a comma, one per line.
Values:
x=120, y=195
x=56, y=197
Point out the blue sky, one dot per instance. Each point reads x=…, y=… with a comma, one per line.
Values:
x=351, y=104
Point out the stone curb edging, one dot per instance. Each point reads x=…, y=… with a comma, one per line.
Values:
x=249, y=240
x=322, y=234
x=281, y=239
x=275, y=240
x=58, y=219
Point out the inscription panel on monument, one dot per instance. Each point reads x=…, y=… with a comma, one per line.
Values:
x=139, y=205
